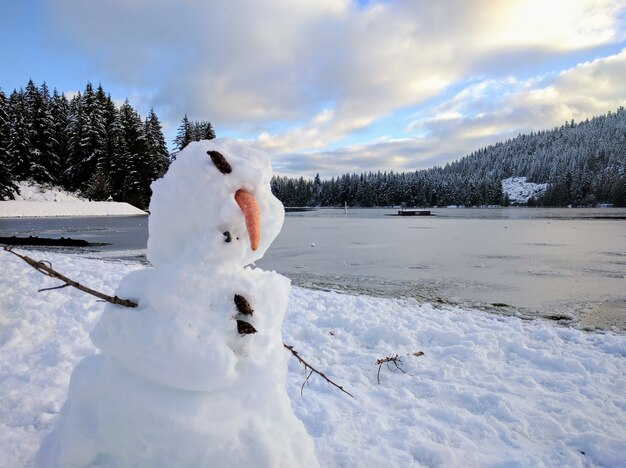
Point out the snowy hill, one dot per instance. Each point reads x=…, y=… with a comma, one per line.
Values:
x=520, y=191
x=30, y=191
x=34, y=201
x=489, y=390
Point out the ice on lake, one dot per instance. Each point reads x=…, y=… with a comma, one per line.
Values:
x=557, y=263
x=550, y=262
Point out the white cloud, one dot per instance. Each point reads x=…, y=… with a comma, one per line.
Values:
x=322, y=71
x=480, y=115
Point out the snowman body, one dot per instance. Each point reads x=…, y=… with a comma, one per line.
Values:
x=176, y=382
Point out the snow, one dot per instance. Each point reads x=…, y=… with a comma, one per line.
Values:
x=174, y=382
x=520, y=191
x=489, y=391
x=197, y=390
x=37, y=209
x=35, y=201
x=30, y=191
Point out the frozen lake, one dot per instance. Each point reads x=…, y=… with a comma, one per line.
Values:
x=549, y=262
x=559, y=263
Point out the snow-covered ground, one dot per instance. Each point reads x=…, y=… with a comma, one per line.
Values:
x=519, y=191
x=35, y=201
x=30, y=191
x=489, y=390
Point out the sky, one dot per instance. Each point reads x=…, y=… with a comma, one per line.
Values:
x=332, y=86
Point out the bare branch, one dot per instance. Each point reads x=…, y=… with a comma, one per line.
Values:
x=395, y=360
x=305, y=382
x=45, y=268
x=53, y=288
x=312, y=369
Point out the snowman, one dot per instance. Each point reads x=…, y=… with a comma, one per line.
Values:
x=195, y=375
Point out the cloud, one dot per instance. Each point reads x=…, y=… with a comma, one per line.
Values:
x=303, y=77
x=479, y=115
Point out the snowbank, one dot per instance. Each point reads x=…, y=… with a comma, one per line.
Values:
x=520, y=191
x=29, y=191
x=37, y=209
x=35, y=201
x=489, y=390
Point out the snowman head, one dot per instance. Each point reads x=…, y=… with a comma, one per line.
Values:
x=214, y=206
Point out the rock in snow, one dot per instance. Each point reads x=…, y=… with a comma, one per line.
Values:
x=192, y=377
x=520, y=191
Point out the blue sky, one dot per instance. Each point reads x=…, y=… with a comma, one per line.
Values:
x=332, y=86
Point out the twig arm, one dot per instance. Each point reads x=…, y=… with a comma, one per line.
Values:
x=312, y=369
x=47, y=270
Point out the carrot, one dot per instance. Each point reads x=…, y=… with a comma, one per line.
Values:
x=252, y=215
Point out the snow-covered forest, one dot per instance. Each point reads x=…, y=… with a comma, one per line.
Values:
x=89, y=144
x=583, y=164
x=85, y=143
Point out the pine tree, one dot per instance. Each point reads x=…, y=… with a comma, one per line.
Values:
x=317, y=189
x=192, y=131
x=99, y=185
x=202, y=131
x=183, y=136
x=7, y=185
x=75, y=175
x=19, y=143
x=132, y=166
x=156, y=147
x=94, y=137
x=120, y=160
x=59, y=113
x=87, y=138
x=103, y=172
x=44, y=163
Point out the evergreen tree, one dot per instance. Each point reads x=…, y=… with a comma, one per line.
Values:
x=87, y=138
x=44, y=163
x=94, y=134
x=184, y=135
x=202, y=131
x=133, y=167
x=7, y=185
x=59, y=113
x=19, y=143
x=76, y=173
x=156, y=147
x=99, y=186
x=192, y=131
x=316, y=191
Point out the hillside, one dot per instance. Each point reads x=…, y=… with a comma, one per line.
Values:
x=582, y=164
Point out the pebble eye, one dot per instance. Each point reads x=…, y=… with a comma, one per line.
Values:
x=220, y=162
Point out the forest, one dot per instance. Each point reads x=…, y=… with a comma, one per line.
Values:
x=583, y=163
x=85, y=144
x=89, y=144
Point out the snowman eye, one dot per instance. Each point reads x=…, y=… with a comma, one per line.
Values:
x=220, y=162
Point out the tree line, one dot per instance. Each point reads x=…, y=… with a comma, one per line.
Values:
x=88, y=144
x=85, y=144
x=583, y=164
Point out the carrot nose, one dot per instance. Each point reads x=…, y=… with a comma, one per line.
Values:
x=251, y=214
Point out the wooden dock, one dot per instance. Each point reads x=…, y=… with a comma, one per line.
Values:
x=412, y=212
x=297, y=209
